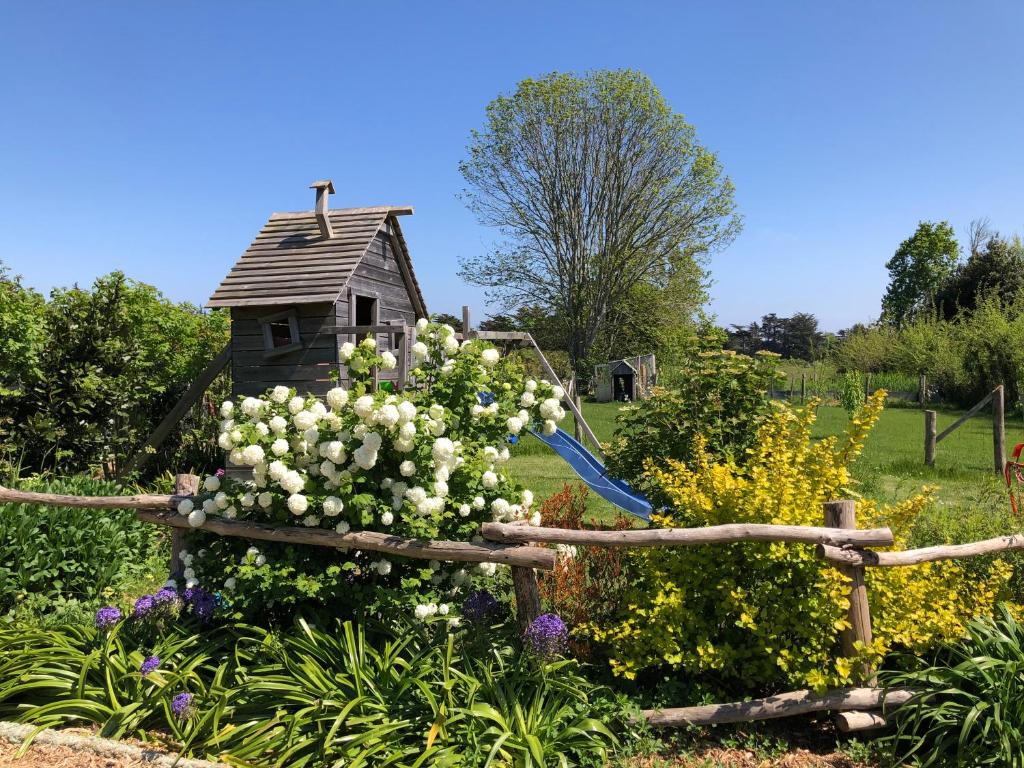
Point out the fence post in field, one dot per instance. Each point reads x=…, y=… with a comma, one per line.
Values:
x=922, y=390
x=467, y=326
x=867, y=386
x=803, y=387
x=184, y=485
x=573, y=393
x=843, y=514
x=527, y=591
x=999, y=428
x=930, y=432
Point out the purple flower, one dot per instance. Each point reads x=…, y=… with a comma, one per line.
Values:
x=167, y=603
x=480, y=607
x=107, y=617
x=546, y=636
x=149, y=665
x=143, y=606
x=165, y=596
x=201, y=602
x=181, y=705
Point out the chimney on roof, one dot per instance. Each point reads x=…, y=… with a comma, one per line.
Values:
x=323, y=188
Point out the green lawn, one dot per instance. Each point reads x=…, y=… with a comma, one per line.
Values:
x=545, y=473
x=890, y=469
x=971, y=498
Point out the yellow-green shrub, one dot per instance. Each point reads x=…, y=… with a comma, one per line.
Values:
x=758, y=613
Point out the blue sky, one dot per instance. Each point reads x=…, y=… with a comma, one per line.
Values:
x=156, y=137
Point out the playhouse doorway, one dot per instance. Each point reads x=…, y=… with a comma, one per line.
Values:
x=623, y=382
x=622, y=385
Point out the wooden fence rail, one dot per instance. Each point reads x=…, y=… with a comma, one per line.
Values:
x=932, y=437
x=159, y=510
x=687, y=537
x=779, y=705
x=861, y=557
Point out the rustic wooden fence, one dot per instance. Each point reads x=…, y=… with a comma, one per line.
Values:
x=932, y=437
x=838, y=542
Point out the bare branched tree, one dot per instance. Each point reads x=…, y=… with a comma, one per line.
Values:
x=596, y=186
x=979, y=232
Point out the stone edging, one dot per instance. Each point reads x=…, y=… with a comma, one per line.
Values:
x=17, y=734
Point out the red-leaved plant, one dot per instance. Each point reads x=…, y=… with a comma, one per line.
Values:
x=583, y=587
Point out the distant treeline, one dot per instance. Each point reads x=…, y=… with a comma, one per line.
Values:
x=956, y=317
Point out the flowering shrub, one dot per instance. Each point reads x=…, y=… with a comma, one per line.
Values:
x=762, y=613
x=427, y=462
x=714, y=402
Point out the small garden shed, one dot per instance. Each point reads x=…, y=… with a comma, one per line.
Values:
x=306, y=274
x=625, y=380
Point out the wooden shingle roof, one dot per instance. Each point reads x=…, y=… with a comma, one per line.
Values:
x=290, y=263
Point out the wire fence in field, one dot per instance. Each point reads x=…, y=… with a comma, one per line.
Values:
x=827, y=384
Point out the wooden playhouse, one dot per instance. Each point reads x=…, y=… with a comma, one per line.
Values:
x=305, y=276
x=625, y=380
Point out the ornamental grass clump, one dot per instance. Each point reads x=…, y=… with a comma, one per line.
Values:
x=752, y=615
x=307, y=696
x=428, y=462
x=968, y=705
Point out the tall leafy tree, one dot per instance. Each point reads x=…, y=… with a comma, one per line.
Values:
x=918, y=269
x=596, y=186
x=801, y=338
x=796, y=337
x=996, y=268
x=447, y=318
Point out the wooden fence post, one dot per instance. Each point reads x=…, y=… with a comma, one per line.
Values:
x=803, y=387
x=467, y=328
x=579, y=407
x=922, y=390
x=184, y=485
x=843, y=514
x=930, y=431
x=527, y=591
x=999, y=429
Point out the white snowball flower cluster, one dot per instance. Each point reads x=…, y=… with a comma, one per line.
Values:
x=426, y=610
x=424, y=461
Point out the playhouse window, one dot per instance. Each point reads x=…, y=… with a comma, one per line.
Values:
x=281, y=333
x=366, y=310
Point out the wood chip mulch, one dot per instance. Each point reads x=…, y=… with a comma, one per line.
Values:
x=47, y=756
x=741, y=758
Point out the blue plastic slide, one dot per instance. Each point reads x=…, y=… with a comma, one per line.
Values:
x=593, y=473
